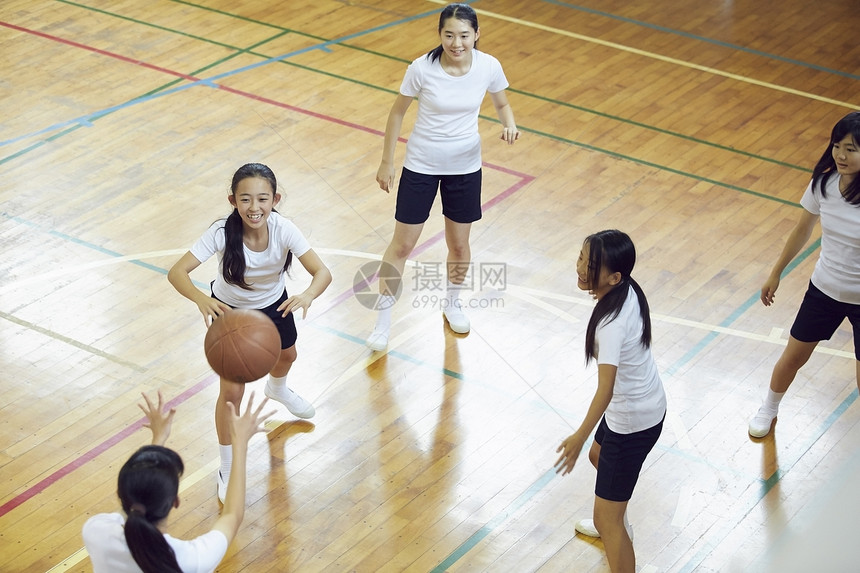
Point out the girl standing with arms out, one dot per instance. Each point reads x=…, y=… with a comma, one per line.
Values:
x=148, y=488
x=444, y=152
x=255, y=245
x=629, y=403
x=833, y=294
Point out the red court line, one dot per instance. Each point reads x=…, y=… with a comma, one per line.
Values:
x=110, y=442
x=96, y=451
x=98, y=51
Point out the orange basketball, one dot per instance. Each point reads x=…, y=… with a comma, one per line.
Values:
x=242, y=345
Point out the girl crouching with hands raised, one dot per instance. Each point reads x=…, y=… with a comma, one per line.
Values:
x=629, y=403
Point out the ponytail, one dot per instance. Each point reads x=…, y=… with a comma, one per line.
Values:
x=147, y=487
x=614, y=251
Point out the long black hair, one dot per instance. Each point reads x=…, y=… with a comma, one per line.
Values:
x=826, y=166
x=233, y=263
x=147, y=487
x=614, y=251
x=462, y=12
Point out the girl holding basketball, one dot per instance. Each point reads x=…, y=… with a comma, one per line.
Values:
x=629, y=403
x=444, y=151
x=148, y=488
x=255, y=245
x=833, y=196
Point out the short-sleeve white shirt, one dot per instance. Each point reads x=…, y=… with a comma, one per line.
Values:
x=104, y=538
x=837, y=271
x=445, y=138
x=264, y=271
x=638, y=399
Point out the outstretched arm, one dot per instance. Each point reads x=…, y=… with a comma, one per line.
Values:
x=242, y=427
x=572, y=445
x=157, y=420
x=796, y=240
x=510, y=133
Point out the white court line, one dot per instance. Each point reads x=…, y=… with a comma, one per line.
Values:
x=86, y=266
x=654, y=56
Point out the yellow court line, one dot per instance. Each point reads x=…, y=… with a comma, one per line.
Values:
x=188, y=481
x=652, y=55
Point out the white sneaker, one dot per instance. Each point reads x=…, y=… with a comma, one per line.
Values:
x=586, y=527
x=457, y=320
x=222, y=488
x=378, y=340
x=297, y=405
x=761, y=423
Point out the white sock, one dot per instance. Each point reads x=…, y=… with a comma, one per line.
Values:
x=226, y=460
x=383, y=319
x=771, y=401
x=277, y=381
x=452, y=298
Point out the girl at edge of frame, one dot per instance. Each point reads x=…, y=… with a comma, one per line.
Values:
x=255, y=245
x=833, y=196
x=443, y=152
x=618, y=337
x=148, y=489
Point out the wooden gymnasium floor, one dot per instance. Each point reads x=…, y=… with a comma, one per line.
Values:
x=691, y=125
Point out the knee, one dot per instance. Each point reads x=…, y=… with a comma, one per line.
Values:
x=791, y=361
x=288, y=356
x=459, y=252
x=231, y=392
x=400, y=249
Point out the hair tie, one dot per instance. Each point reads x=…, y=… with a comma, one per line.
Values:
x=138, y=508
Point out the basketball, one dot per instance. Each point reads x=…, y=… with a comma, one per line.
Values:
x=242, y=345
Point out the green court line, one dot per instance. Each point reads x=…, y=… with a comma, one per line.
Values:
x=530, y=95
x=496, y=521
x=524, y=93
x=565, y=140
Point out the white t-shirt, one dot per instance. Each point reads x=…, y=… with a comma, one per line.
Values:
x=104, y=539
x=638, y=399
x=445, y=138
x=837, y=271
x=264, y=271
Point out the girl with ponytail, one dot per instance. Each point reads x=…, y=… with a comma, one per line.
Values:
x=148, y=488
x=629, y=403
x=255, y=245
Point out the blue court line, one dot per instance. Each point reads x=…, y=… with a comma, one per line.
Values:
x=704, y=39
x=767, y=485
x=86, y=120
x=750, y=302
x=539, y=484
x=496, y=521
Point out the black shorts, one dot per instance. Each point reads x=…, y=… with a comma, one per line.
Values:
x=286, y=326
x=819, y=316
x=621, y=459
x=461, y=196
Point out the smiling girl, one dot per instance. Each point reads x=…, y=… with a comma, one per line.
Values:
x=629, y=403
x=443, y=153
x=255, y=245
x=833, y=294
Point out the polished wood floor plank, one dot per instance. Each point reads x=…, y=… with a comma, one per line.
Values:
x=692, y=126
